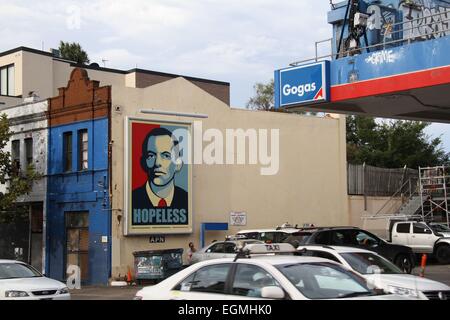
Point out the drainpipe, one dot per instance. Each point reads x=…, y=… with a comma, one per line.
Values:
x=402, y=194
x=364, y=186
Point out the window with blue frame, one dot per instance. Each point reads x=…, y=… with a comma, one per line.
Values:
x=67, y=151
x=83, y=150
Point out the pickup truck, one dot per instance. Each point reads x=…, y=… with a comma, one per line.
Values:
x=423, y=237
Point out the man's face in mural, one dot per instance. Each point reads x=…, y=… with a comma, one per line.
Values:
x=162, y=160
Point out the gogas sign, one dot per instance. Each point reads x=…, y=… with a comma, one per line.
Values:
x=302, y=84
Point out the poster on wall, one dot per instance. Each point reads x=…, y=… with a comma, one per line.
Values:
x=158, y=191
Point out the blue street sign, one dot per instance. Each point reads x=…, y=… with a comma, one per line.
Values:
x=303, y=84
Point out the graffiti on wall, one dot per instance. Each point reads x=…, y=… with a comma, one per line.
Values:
x=424, y=20
x=381, y=19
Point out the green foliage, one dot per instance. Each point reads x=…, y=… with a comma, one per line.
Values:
x=264, y=96
x=18, y=182
x=73, y=52
x=392, y=144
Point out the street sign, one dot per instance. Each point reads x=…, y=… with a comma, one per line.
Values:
x=305, y=84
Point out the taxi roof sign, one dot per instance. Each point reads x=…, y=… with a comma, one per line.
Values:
x=269, y=248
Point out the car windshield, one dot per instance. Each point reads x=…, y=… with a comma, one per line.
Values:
x=325, y=280
x=17, y=270
x=369, y=263
x=439, y=228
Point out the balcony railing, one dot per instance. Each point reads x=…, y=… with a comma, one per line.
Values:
x=404, y=29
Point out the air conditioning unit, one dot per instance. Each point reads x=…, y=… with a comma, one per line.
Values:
x=56, y=53
x=360, y=19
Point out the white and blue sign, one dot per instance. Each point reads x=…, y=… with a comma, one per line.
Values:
x=302, y=85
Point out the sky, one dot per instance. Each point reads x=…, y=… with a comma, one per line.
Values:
x=237, y=41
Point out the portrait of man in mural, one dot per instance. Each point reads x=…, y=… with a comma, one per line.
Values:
x=161, y=160
x=159, y=177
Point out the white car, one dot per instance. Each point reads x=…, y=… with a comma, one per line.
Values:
x=20, y=281
x=380, y=272
x=422, y=237
x=220, y=249
x=260, y=273
x=266, y=235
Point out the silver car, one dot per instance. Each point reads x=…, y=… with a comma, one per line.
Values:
x=221, y=249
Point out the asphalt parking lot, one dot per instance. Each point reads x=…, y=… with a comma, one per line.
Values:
x=105, y=293
x=439, y=273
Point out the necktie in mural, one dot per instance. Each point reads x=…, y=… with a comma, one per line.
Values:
x=162, y=203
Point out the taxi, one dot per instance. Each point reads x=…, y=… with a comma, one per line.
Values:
x=264, y=271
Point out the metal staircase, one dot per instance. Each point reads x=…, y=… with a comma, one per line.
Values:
x=426, y=200
x=411, y=202
x=412, y=206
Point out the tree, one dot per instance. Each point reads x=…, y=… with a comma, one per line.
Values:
x=73, y=52
x=18, y=182
x=264, y=97
x=392, y=144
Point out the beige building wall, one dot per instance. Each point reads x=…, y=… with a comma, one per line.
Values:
x=44, y=74
x=375, y=205
x=37, y=74
x=62, y=70
x=310, y=186
x=16, y=59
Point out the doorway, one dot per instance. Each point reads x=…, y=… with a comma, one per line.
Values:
x=77, y=244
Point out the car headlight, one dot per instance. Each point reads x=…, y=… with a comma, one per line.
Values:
x=15, y=294
x=403, y=291
x=63, y=290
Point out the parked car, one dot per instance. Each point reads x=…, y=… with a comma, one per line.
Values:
x=263, y=274
x=423, y=238
x=20, y=281
x=220, y=249
x=266, y=235
x=402, y=256
x=380, y=272
x=285, y=233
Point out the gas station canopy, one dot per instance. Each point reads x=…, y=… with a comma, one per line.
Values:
x=393, y=61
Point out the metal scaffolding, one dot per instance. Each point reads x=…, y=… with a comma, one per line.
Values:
x=434, y=185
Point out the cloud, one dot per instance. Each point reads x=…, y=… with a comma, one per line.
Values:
x=241, y=42
x=120, y=58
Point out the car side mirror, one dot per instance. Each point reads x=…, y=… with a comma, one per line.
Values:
x=272, y=292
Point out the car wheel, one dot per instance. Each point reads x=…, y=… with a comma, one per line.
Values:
x=443, y=254
x=404, y=263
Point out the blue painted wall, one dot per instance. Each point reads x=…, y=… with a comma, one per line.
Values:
x=385, y=12
x=423, y=51
x=79, y=191
x=414, y=57
x=415, y=49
